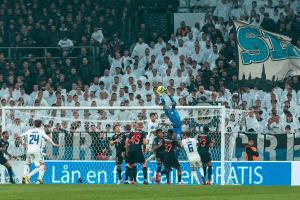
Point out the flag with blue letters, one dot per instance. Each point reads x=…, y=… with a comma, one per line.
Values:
x=261, y=50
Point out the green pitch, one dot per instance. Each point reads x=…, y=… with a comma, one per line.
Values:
x=113, y=192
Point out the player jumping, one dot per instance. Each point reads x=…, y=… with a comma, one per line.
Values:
x=135, y=147
x=158, y=149
x=34, y=149
x=3, y=150
x=170, y=160
x=171, y=113
x=190, y=146
x=204, y=144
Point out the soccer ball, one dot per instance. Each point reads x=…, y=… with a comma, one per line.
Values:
x=161, y=90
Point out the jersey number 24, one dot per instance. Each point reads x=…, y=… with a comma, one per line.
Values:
x=34, y=139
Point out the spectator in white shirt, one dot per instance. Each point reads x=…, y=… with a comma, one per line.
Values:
x=65, y=43
x=248, y=6
x=222, y=10
x=146, y=59
x=106, y=79
x=252, y=124
x=236, y=10
x=197, y=55
x=98, y=35
x=203, y=95
x=274, y=124
x=139, y=49
x=292, y=122
x=182, y=50
x=190, y=41
x=160, y=44
x=173, y=40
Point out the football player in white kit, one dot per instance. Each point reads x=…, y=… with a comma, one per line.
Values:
x=34, y=155
x=190, y=146
x=152, y=127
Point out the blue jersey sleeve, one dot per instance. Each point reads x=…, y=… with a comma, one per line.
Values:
x=173, y=102
x=163, y=102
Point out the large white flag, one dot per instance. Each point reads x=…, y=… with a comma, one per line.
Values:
x=260, y=49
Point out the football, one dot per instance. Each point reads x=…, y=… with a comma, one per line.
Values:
x=161, y=90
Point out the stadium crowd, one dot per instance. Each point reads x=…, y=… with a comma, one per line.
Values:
x=196, y=64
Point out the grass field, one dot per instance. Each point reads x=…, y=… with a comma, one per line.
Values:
x=113, y=192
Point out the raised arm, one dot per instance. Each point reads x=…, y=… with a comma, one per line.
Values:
x=47, y=138
x=173, y=102
x=163, y=102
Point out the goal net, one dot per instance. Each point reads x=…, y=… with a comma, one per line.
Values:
x=83, y=133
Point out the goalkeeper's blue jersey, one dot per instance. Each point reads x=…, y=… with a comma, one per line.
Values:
x=173, y=115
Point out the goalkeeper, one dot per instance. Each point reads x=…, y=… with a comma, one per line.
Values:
x=171, y=112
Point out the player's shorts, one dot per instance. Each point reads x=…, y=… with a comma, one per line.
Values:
x=159, y=157
x=120, y=158
x=136, y=157
x=205, y=157
x=170, y=162
x=35, y=158
x=195, y=161
x=3, y=160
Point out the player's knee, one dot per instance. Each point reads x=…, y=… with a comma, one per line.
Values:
x=193, y=168
x=118, y=166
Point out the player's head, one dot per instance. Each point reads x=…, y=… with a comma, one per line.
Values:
x=205, y=129
x=153, y=117
x=139, y=125
x=117, y=128
x=5, y=135
x=38, y=123
x=127, y=127
x=170, y=133
x=250, y=142
x=159, y=133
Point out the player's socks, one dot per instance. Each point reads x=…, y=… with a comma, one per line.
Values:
x=158, y=170
x=196, y=177
x=179, y=178
x=41, y=172
x=10, y=173
x=145, y=173
x=201, y=171
x=26, y=170
x=127, y=172
x=204, y=171
x=150, y=158
x=209, y=172
x=133, y=173
x=168, y=176
x=119, y=171
x=33, y=172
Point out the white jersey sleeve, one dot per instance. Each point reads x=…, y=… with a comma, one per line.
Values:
x=190, y=147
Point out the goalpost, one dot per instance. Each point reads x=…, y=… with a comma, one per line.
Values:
x=87, y=118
